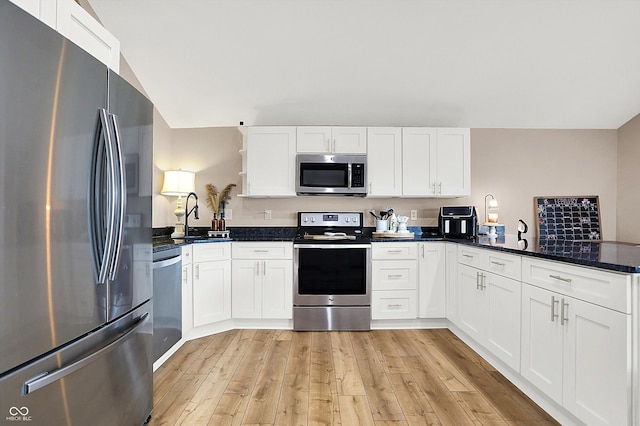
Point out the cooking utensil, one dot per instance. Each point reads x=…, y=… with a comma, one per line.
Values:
x=372, y=213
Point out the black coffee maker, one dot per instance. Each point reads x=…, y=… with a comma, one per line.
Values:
x=458, y=221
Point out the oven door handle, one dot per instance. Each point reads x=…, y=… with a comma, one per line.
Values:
x=331, y=246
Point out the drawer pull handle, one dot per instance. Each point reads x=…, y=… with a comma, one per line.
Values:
x=394, y=277
x=498, y=263
x=558, y=277
x=261, y=251
x=467, y=255
x=394, y=251
x=393, y=306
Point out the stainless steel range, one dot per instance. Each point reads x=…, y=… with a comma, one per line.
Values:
x=332, y=272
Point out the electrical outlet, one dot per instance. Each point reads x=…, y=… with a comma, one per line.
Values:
x=228, y=214
x=414, y=214
x=267, y=215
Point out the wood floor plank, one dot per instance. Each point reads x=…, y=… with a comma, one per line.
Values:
x=266, y=394
x=169, y=409
x=205, y=400
x=348, y=379
x=387, y=352
x=323, y=401
x=355, y=410
x=376, y=383
x=252, y=362
x=293, y=408
x=211, y=352
x=230, y=410
x=453, y=379
x=444, y=404
x=413, y=401
x=479, y=408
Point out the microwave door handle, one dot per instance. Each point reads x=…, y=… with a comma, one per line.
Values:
x=349, y=175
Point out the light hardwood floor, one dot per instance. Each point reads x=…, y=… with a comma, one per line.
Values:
x=390, y=377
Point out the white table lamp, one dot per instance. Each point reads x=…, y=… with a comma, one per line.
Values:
x=176, y=184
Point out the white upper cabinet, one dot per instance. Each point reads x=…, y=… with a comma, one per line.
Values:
x=418, y=161
x=76, y=24
x=44, y=10
x=269, y=160
x=384, y=160
x=453, y=162
x=80, y=27
x=436, y=162
x=331, y=140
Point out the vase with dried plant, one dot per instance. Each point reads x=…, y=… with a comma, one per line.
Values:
x=217, y=202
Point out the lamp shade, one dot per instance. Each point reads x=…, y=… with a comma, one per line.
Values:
x=178, y=182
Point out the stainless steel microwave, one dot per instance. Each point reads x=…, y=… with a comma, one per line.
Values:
x=319, y=174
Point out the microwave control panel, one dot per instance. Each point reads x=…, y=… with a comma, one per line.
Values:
x=357, y=175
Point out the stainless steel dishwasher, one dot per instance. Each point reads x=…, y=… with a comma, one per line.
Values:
x=167, y=300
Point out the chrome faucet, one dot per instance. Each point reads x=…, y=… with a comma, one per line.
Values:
x=186, y=217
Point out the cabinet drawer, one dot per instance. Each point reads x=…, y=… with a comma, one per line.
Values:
x=206, y=252
x=393, y=304
x=507, y=265
x=268, y=250
x=392, y=251
x=472, y=256
x=602, y=288
x=187, y=255
x=394, y=275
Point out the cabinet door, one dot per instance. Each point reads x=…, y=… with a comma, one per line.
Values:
x=596, y=363
x=349, y=140
x=471, y=302
x=211, y=292
x=247, y=289
x=187, y=298
x=313, y=139
x=384, y=160
x=271, y=155
x=44, y=10
x=503, y=300
x=542, y=340
x=451, y=263
x=453, y=159
x=418, y=161
x=431, y=273
x=277, y=289
x=80, y=27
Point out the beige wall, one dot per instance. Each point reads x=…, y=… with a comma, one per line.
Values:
x=513, y=165
x=628, y=181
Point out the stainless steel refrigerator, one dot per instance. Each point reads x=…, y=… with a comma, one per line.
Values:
x=75, y=234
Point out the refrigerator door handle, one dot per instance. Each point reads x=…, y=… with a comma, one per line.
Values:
x=46, y=378
x=101, y=234
x=120, y=197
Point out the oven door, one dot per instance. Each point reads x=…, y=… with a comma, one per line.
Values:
x=332, y=274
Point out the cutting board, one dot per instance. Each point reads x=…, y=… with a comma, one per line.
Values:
x=392, y=235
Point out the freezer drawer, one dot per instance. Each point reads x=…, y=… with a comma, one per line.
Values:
x=105, y=378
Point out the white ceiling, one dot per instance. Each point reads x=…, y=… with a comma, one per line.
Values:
x=467, y=63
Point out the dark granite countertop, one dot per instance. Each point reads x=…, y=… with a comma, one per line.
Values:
x=610, y=255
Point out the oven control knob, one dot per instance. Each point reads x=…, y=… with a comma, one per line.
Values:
x=313, y=219
x=305, y=219
x=347, y=219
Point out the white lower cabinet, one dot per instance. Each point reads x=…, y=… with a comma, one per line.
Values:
x=578, y=354
x=394, y=281
x=431, y=276
x=489, y=312
x=262, y=282
x=451, y=280
x=211, y=283
x=187, y=289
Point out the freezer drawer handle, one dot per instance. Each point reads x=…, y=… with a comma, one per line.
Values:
x=47, y=378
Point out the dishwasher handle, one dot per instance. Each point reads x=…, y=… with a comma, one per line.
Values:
x=167, y=262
